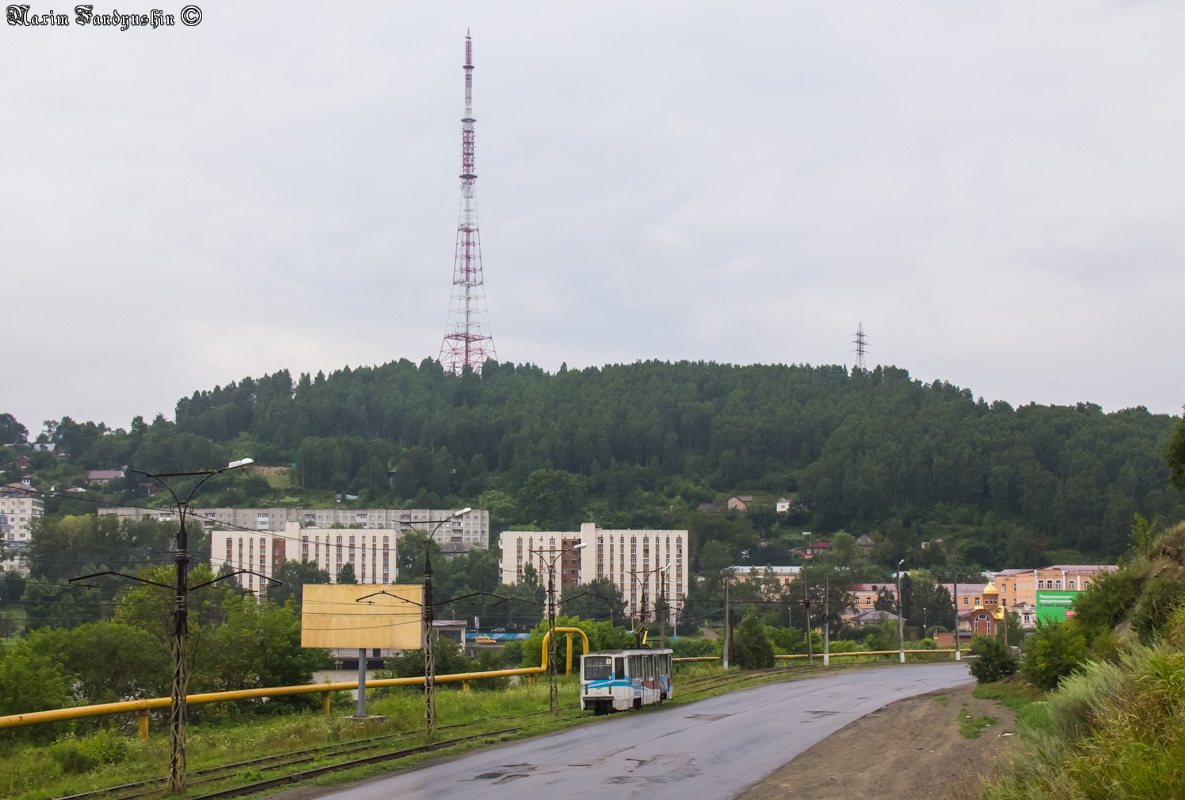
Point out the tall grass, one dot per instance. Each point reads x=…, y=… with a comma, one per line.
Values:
x=1114, y=730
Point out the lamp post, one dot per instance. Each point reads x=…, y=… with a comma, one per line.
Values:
x=427, y=619
x=900, y=613
x=553, y=692
x=640, y=632
x=178, y=711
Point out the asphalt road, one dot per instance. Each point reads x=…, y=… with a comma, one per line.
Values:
x=708, y=750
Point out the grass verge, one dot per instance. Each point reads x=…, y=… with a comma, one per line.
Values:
x=972, y=728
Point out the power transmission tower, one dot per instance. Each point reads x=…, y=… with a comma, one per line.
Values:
x=860, y=347
x=467, y=338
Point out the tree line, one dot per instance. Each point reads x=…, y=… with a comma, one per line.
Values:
x=644, y=444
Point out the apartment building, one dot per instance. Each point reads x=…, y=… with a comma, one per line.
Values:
x=371, y=551
x=471, y=530
x=18, y=508
x=643, y=564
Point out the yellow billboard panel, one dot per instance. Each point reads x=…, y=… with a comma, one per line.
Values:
x=361, y=616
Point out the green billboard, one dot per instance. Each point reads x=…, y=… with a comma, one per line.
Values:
x=1055, y=606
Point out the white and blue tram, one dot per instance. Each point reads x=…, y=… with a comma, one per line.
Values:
x=618, y=680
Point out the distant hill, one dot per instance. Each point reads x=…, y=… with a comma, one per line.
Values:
x=644, y=443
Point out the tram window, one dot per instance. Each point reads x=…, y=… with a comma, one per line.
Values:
x=620, y=662
x=597, y=668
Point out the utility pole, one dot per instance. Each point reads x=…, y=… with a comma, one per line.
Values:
x=826, y=621
x=727, y=626
x=662, y=598
x=806, y=616
x=553, y=690
x=900, y=613
x=178, y=705
x=958, y=653
x=427, y=616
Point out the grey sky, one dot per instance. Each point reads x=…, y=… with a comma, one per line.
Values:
x=993, y=189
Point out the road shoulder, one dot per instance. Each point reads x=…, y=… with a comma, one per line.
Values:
x=911, y=748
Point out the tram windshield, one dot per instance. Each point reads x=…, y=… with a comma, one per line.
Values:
x=598, y=668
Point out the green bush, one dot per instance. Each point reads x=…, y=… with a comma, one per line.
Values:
x=76, y=756
x=1053, y=652
x=685, y=647
x=513, y=651
x=753, y=649
x=1161, y=597
x=490, y=661
x=994, y=661
x=843, y=646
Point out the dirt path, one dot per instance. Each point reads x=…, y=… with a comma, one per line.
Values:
x=912, y=748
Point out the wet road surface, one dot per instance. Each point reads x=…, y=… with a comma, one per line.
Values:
x=708, y=750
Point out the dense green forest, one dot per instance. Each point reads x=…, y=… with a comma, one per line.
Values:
x=644, y=444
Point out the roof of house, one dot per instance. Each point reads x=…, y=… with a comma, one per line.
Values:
x=873, y=615
x=104, y=474
x=965, y=588
x=1078, y=568
x=742, y=497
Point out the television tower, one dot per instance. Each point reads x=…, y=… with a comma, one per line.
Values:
x=860, y=346
x=467, y=339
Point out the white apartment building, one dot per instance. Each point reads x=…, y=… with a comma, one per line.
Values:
x=370, y=550
x=471, y=530
x=18, y=508
x=636, y=561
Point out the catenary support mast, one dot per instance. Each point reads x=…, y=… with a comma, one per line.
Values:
x=467, y=338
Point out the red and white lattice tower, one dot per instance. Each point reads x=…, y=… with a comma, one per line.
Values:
x=467, y=339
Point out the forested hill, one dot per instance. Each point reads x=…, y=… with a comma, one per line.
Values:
x=862, y=450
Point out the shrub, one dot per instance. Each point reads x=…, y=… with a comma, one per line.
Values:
x=1106, y=603
x=995, y=661
x=1054, y=651
x=753, y=649
x=843, y=646
x=1160, y=599
x=76, y=756
x=685, y=647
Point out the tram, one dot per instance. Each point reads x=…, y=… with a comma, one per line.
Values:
x=618, y=680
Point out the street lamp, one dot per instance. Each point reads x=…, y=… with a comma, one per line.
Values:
x=640, y=632
x=427, y=618
x=178, y=715
x=900, y=613
x=553, y=692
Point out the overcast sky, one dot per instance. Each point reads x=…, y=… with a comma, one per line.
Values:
x=996, y=191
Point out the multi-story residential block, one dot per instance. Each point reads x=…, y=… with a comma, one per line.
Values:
x=371, y=551
x=19, y=506
x=643, y=564
x=456, y=535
